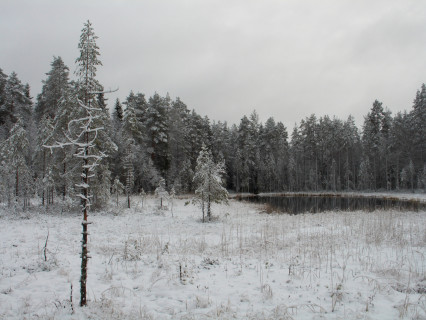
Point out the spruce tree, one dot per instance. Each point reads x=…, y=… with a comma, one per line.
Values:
x=117, y=116
x=208, y=179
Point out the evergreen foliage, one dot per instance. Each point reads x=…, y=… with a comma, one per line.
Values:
x=208, y=180
x=16, y=103
x=16, y=179
x=54, y=89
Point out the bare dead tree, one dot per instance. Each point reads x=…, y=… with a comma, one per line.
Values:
x=83, y=134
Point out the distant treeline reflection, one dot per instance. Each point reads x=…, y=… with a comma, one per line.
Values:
x=295, y=204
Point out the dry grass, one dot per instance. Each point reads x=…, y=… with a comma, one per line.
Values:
x=328, y=265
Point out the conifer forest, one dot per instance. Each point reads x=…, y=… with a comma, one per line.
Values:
x=145, y=139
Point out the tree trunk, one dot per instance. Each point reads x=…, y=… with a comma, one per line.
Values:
x=208, y=199
x=17, y=183
x=209, y=208
x=84, y=251
x=397, y=174
x=375, y=173
x=84, y=258
x=202, y=204
x=64, y=192
x=44, y=174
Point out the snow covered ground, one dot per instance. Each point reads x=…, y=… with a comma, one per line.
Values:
x=147, y=264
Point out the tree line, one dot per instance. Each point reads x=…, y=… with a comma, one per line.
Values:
x=147, y=139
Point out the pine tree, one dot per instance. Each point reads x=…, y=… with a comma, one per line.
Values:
x=156, y=123
x=117, y=132
x=411, y=172
x=54, y=89
x=17, y=104
x=199, y=133
x=347, y=175
x=44, y=160
x=186, y=176
x=310, y=145
x=296, y=160
x=365, y=175
x=375, y=133
x=16, y=175
x=418, y=129
x=243, y=156
x=292, y=174
x=253, y=151
x=333, y=176
x=51, y=122
x=3, y=80
x=3, y=110
x=178, y=146
x=384, y=150
x=66, y=165
x=134, y=132
x=351, y=147
x=423, y=178
x=84, y=131
x=88, y=86
x=128, y=166
x=16, y=128
x=132, y=126
x=282, y=157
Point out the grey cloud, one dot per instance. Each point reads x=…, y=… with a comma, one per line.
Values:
x=285, y=59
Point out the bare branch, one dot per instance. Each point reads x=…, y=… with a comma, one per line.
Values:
x=108, y=91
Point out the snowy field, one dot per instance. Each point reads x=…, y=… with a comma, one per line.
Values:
x=245, y=264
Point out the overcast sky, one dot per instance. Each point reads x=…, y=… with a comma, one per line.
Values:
x=224, y=58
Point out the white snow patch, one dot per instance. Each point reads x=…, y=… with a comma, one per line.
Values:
x=244, y=265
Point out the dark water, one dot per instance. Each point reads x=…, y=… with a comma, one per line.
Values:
x=313, y=204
